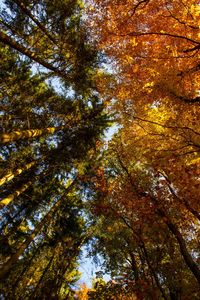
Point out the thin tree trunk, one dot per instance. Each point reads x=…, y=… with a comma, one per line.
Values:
x=5, y=268
x=65, y=267
x=11, y=197
x=172, y=227
x=9, y=176
x=10, y=220
x=27, y=266
x=134, y=267
x=33, y=18
x=181, y=200
x=153, y=272
x=182, y=245
x=7, y=40
x=191, y=209
x=42, y=277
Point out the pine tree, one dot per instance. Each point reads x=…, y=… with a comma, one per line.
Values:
x=47, y=134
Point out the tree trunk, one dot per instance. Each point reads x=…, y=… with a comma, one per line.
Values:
x=134, y=267
x=5, y=269
x=33, y=18
x=26, y=134
x=42, y=277
x=11, y=220
x=182, y=245
x=9, y=176
x=11, y=197
x=7, y=40
x=153, y=272
x=27, y=266
x=181, y=200
x=172, y=227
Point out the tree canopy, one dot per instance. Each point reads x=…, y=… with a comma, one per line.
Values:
x=69, y=70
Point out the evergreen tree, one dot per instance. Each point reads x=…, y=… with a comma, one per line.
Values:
x=47, y=135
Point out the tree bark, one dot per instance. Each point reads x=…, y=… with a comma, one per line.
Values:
x=181, y=200
x=134, y=267
x=182, y=245
x=27, y=134
x=27, y=266
x=11, y=197
x=42, y=277
x=33, y=18
x=172, y=227
x=153, y=272
x=7, y=40
x=9, y=176
x=5, y=268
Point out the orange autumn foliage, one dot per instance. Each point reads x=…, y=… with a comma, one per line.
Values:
x=153, y=53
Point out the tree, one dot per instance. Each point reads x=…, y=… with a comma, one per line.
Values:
x=109, y=290
x=151, y=166
x=82, y=293
x=137, y=213
x=155, y=44
x=47, y=135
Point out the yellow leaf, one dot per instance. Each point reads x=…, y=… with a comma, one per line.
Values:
x=133, y=41
x=149, y=84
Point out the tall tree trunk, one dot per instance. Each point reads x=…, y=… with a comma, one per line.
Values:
x=11, y=220
x=27, y=134
x=65, y=266
x=33, y=18
x=27, y=266
x=7, y=40
x=11, y=197
x=34, y=294
x=172, y=227
x=181, y=200
x=134, y=267
x=5, y=268
x=195, y=213
x=152, y=271
x=182, y=245
x=9, y=176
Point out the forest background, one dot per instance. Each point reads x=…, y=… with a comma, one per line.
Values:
x=69, y=70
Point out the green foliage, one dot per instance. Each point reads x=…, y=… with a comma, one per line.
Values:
x=48, y=132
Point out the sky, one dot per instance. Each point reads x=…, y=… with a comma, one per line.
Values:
x=89, y=269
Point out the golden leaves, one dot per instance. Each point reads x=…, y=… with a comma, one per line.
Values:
x=195, y=9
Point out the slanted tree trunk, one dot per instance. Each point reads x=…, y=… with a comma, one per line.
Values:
x=33, y=18
x=20, y=276
x=5, y=268
x=9, y=176
x=143, y=247
x=182, y=245
x=7, y=40
x=27, y=134
x=11, y=197
x=42, y=277
x=172, y=227
x=181, y=200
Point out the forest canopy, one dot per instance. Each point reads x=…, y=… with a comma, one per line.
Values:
x=69, y=70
